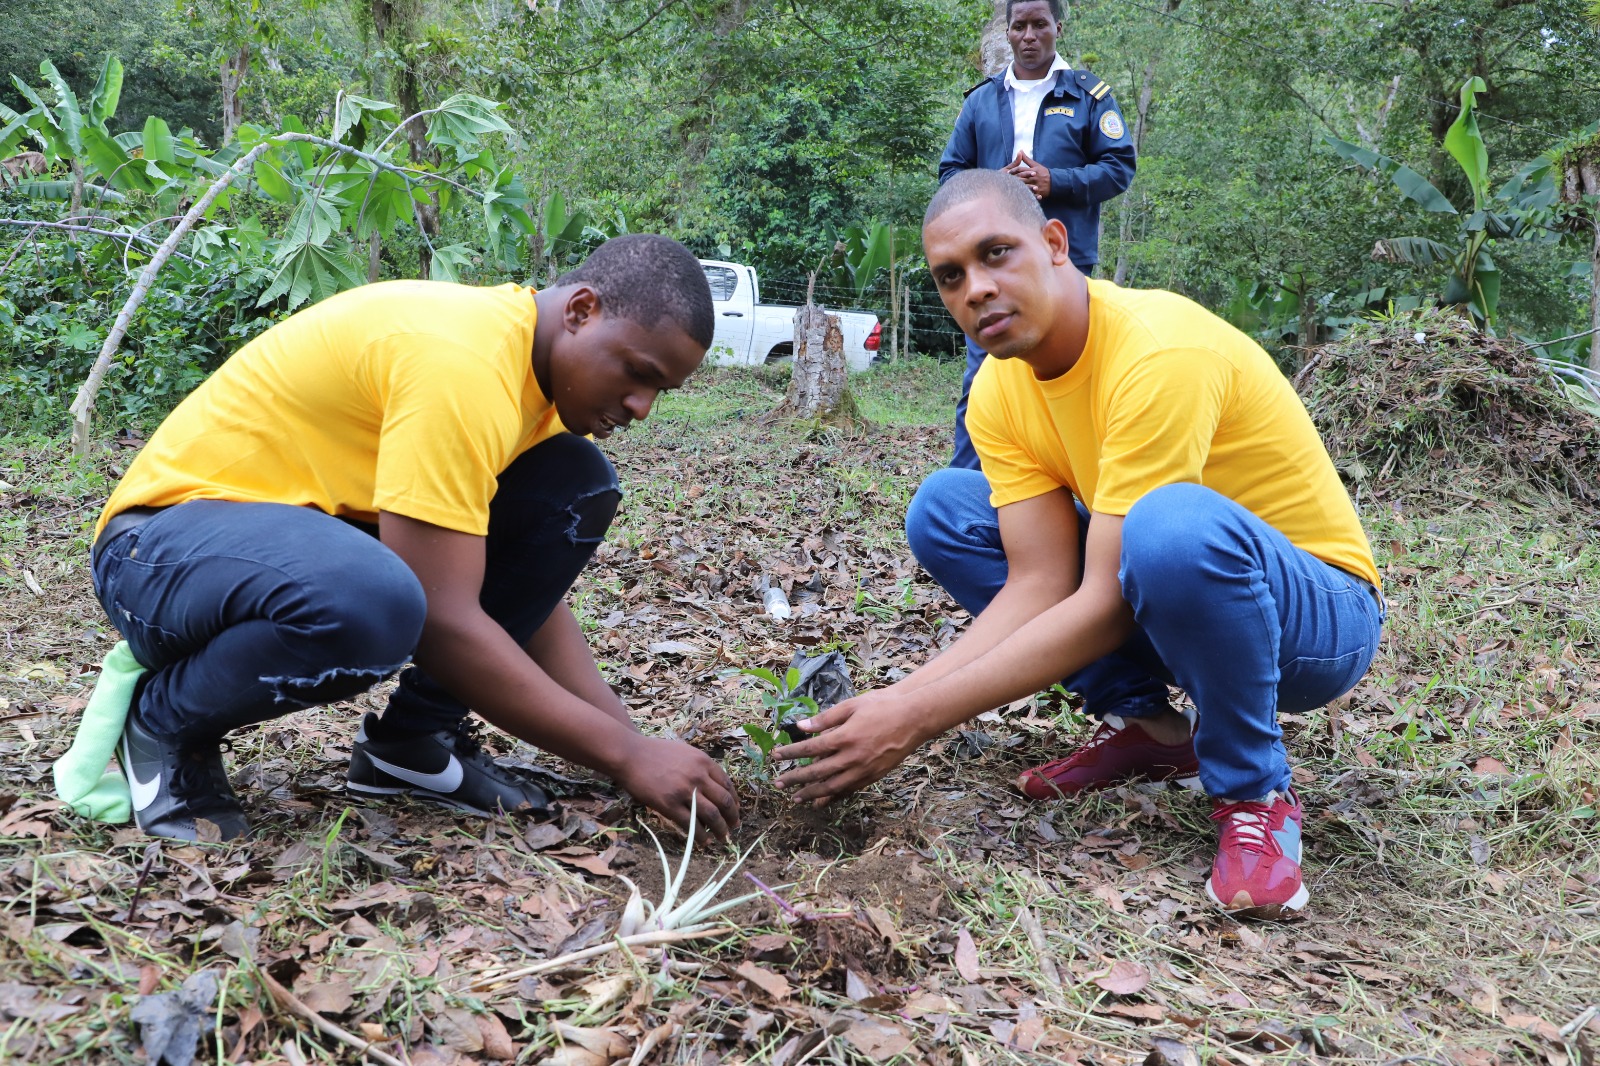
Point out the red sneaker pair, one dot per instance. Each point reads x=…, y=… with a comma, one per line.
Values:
x=1257, y=870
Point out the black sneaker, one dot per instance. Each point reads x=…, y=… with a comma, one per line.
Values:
x=174, y=785
x=449, y=766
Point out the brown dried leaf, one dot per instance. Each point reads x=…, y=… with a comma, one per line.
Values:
x=328, y=997
x=497, y=1043
x=966, y=957
x=774, y=985
x=457, y=1029
x=877, y=1038
x=1124, y=978
x=1165, y=1051
x=606, y=1043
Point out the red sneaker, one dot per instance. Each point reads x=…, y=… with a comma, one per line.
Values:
x=1257, y=872
x=1114, y=754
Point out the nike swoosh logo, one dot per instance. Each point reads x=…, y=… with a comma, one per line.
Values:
x=144, y=793
x=447, y=780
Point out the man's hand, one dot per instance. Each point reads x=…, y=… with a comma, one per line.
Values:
x=663, y=774
x=1034, y=174
x=858, y=742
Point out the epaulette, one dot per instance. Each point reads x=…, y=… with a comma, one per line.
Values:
x=975, y=88
x=1096, y=88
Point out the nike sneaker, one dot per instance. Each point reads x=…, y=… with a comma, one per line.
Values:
x=1257, y=870
x=174, y=786
x=448, y=766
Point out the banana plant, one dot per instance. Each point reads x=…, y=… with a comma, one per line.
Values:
x=1512, y=212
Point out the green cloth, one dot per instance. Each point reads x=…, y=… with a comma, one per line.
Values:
x=84, y=781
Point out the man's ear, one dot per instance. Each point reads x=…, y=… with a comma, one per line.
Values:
x=583, y=303
x=1055, y=238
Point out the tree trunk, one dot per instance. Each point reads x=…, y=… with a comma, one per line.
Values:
x=817, y=379
x=1594, y=301
x=1580, y=183
x=235, y=65
x=77, y=193
x=894, y=302
x=396, y=24
x=1141, y=120
x=905, y=298
x=994, y=51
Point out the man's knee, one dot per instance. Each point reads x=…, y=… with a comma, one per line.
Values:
x=1165, y=532
x=565, y=468
x=371, y=615
x=943, y=510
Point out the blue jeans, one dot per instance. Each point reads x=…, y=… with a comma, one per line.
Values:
x=1224, y=607
x=244, y=612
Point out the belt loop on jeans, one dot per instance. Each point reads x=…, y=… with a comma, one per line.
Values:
x=120, y=523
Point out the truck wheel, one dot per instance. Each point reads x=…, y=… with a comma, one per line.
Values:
x=781, y=354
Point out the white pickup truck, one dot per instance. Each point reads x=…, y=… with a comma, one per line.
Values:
x=750, y=333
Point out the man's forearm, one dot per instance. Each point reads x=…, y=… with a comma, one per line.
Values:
x=1011, y=609
x=482, y=666
x=1057, y=642
x=562, y=652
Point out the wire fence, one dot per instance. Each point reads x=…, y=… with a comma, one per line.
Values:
x=933, y=332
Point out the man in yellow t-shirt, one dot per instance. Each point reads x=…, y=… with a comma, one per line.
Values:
x=398, y=473
x=1155, y=507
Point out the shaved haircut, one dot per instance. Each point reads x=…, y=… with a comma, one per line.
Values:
x=645, y=278
x=1005, y=191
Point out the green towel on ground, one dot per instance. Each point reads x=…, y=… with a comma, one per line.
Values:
x=83, y=780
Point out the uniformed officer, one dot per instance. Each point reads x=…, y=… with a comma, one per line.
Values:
x=1057, y=129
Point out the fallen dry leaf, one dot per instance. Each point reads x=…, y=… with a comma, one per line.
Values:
x=966, y=957
x=1165, y=1051
x=774, y=985
x=1125, y=978
x=497, y=1043
x=607, y=1043
x=328, y=997
x=877, y=1038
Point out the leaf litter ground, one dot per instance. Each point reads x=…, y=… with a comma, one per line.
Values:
x=939, y=918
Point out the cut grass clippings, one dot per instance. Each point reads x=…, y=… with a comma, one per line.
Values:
x=1451, y=832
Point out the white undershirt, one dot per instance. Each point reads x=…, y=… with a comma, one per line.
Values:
x=1026, y=96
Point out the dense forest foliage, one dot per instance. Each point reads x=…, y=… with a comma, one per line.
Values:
x=1276, y=137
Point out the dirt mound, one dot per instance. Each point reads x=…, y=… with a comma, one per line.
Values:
x=1427, y=401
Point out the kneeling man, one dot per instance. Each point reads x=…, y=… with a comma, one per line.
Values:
x=395, y=474
x=1155, y=506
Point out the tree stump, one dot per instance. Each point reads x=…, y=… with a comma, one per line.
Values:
x=817, y=388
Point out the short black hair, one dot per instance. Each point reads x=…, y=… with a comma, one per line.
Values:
x=1055, y=8
x=1015, y=198
x=644, y=278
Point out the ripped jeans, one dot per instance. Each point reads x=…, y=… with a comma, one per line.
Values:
x=244, y=612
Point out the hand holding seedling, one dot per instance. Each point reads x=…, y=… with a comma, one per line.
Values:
x=665, y=774
x=855, y=743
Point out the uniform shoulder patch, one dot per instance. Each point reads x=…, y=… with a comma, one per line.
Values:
x=1099, y=90
x=975, y=88
x=1111, y=125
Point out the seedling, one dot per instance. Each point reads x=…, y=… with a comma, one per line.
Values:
x=785, y=708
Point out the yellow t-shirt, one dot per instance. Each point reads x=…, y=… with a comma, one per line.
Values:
x=402, y=396
x=1165, y=393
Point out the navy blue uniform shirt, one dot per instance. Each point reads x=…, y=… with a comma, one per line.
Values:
x=1080, y=136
